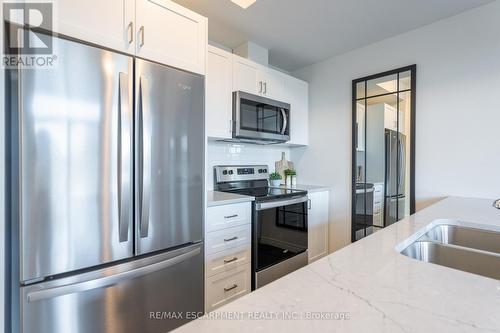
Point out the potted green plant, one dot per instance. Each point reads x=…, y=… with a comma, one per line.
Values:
x=275, y=179
x=290, y=177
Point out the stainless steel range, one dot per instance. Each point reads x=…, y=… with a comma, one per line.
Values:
x=279, y=221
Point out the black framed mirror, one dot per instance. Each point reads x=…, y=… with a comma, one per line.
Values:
x=383, y=150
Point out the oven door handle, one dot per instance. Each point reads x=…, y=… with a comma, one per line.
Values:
x=279, y=203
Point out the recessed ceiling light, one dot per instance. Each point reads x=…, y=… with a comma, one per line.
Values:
x=244, y=3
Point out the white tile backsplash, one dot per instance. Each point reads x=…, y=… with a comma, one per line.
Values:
x=226, y=153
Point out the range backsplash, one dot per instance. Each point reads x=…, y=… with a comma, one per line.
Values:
x=225, y=153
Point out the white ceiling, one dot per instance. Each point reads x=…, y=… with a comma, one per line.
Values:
x=302, y=32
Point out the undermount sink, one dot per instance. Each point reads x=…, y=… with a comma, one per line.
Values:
x=479, y=239
x=469, y=249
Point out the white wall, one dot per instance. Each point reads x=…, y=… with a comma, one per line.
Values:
x=224, y=153
x=458, y=111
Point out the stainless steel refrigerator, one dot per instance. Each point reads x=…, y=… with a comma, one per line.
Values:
x=395, y=177
x=106, y=211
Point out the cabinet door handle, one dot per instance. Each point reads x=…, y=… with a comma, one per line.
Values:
x=230, y=126
x=231, y=216
x=265, y=87
x=231, y=288
x=231, y=239
x=260, y=86
x=130, y=32
x=309, y=204
x=141, y=31
x=230, y=260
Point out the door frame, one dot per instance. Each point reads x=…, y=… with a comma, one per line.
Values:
x=413, y=94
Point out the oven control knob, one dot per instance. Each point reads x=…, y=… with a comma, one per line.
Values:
x=224, y=172
x=230, y=172
x=265, y=170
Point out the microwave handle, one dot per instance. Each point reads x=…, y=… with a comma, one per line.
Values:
x=285, y=121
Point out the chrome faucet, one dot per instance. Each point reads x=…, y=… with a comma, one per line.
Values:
x=496, y=204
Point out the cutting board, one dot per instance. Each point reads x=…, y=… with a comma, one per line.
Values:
x=283, y=165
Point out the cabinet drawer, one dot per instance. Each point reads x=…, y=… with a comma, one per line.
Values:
x=222, y=217
x=227, y=260
x=230, y=238
x=378, y=219
x=225, y=287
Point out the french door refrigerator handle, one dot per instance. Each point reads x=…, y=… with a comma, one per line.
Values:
x=124, y=157
x=107, y=281
x=145, y=160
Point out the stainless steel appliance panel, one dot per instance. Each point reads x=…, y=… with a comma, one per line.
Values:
x=75, y=125
x=259, y=118
x=279, y=236
x=121, y=299
x=169, y=157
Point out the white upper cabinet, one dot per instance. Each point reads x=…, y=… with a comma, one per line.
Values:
x=245, y=76
x=272, y=83
x=157, y=30
x=297, y=94
x=108, y=23
x=256, y=79
x=219, y=83
x=171, y=34
x=227, y=72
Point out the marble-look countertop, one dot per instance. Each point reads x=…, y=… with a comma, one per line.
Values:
x=309, y=188
x=216, y=198
x=370, y=287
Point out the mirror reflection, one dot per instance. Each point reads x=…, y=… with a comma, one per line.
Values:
x=382, y=169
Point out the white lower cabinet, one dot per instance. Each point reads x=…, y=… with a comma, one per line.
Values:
x=227, y=253
x=318, y=219
x=227, y=239
x=227, y=260
x=225, y=287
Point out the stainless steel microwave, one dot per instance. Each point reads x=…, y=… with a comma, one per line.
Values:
x=260, y=119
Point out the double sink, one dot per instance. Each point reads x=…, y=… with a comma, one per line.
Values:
x=470, y=248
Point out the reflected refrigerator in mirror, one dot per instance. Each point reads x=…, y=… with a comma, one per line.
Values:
x=383, y=145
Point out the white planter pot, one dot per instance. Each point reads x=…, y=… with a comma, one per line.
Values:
x=275, y=183
x=288, y=182
x=294, y=181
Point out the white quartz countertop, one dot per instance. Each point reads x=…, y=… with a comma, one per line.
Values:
x=309, y=188
x=370, y=287
x=215, y=198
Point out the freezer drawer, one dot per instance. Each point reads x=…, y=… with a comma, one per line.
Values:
x=138, y=296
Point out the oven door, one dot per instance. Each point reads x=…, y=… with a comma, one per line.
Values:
x=260, y=118
x=279, y=238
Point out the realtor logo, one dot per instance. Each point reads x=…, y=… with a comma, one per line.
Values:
x=28, y=34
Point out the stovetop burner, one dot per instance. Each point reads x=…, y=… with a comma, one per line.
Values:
x=267, y=193
x=252, y=181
